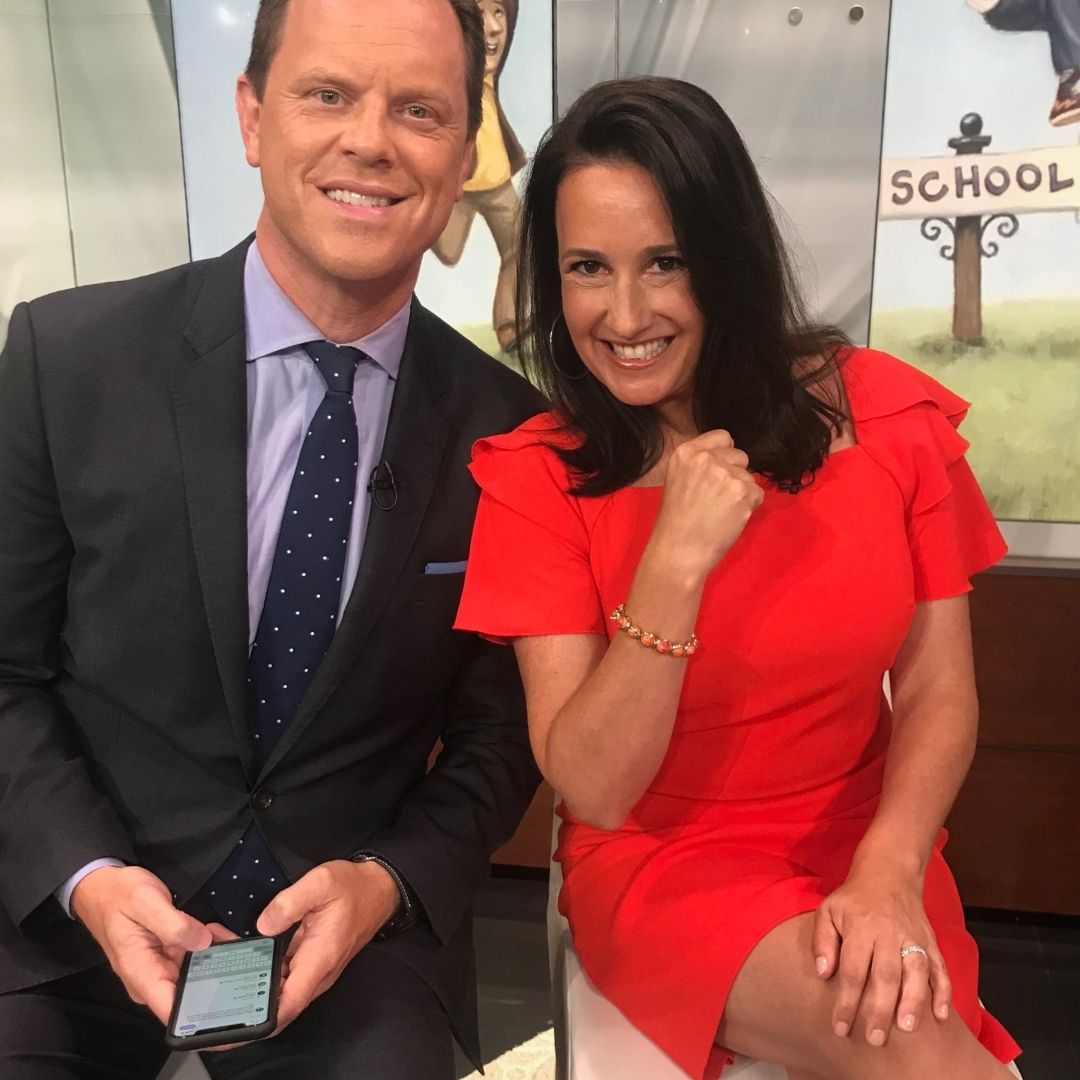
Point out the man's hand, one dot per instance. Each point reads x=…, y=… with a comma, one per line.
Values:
x=131, y=915
x=340, y=906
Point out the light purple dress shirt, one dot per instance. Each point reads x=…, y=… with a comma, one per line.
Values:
x=284, y=389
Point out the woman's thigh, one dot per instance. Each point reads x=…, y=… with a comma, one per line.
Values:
x=780, y=1010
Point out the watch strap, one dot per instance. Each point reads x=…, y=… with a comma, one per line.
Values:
x=409, y=909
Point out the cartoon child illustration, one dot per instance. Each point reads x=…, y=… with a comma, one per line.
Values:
x=490, y=192
x=1060, y=20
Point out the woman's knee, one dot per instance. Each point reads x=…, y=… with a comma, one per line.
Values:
x=939, y=1048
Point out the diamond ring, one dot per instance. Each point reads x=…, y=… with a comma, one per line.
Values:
x=907, y=950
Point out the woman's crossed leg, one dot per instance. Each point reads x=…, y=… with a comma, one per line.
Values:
x=780, y=1010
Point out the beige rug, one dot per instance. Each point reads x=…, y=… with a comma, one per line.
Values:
x=532, y=1060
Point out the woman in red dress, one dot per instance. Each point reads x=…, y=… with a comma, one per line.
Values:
x=707, y=556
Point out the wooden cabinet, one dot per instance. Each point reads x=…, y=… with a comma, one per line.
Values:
x=1015, y=829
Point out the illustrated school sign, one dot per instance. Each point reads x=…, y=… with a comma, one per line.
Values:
x=1023, y=182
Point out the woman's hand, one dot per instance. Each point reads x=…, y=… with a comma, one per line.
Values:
x=709, y=495
x=858, y=936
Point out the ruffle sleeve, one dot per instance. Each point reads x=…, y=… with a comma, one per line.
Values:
x=908, y=423
x=528, y=572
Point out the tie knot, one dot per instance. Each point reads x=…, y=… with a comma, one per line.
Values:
x=336, y=363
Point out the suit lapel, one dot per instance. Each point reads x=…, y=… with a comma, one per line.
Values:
x=416, y=438
x=210, y=401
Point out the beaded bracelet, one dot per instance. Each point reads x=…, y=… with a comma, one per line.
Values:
x=653, y=641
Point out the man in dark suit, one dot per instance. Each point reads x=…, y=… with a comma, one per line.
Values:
x=234, y=509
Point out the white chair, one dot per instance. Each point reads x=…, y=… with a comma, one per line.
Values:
x=593, y=1040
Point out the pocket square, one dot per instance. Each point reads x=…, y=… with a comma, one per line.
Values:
x=446, y=567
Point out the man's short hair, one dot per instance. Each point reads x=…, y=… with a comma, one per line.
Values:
x=266, y=40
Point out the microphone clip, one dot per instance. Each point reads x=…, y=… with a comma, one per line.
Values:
x=380, y=483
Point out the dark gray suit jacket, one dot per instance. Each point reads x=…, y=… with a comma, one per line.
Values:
x=124, y=628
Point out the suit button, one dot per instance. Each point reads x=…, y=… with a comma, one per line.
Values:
x=262, y=799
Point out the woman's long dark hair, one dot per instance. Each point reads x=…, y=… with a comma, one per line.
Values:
x=760, y=355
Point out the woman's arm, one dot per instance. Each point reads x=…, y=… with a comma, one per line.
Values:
x=862, y=927
x=600, y=715
x=935, y=722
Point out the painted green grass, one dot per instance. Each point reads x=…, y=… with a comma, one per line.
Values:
x=1024, y=383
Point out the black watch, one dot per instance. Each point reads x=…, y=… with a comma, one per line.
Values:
x=408, y=910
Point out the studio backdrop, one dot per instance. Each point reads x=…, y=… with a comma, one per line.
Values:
x=923, y=157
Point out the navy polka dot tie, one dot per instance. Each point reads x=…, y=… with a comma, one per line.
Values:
x=299, y=615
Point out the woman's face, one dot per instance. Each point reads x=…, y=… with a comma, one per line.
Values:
x=494, y=33
x=626, y=293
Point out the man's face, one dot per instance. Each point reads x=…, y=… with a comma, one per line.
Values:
x=361, y=136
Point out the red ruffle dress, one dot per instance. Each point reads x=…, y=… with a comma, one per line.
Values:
x=775, y=765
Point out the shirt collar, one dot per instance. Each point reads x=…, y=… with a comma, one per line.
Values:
x=276, y=325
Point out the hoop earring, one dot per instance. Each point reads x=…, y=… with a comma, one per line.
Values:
x=555, y=363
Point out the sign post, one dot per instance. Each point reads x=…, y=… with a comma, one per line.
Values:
x=971, y=193
x=967, y=258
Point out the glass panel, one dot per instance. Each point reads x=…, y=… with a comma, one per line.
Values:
x=35, y=245
x=94, y=189
x=587, y=46
x=805, y=87
x=121, y=134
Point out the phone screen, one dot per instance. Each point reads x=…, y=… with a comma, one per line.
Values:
x=227, y=986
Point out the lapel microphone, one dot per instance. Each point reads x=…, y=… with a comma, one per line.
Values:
x=382, y=487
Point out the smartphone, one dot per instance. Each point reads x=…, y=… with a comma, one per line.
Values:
x=227, y=993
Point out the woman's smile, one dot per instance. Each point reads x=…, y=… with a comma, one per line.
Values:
x=638, y=355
